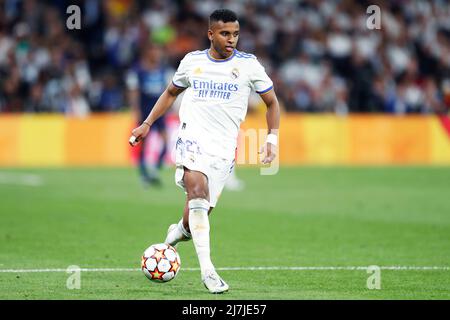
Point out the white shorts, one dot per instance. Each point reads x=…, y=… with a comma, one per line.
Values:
x=192, y=155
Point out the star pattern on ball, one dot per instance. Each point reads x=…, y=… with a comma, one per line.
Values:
x=143, y=261
x=174, y=266
x=158, y=255
x=156, y=274
x=160, y=262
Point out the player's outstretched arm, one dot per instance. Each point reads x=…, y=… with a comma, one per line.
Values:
x=163, y=104
x=273, y=124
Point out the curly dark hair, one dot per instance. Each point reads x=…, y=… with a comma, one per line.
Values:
x=223, y=15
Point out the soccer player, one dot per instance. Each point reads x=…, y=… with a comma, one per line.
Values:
x=146, y=81
x=217, y=83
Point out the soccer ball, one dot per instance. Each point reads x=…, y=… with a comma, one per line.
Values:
x=160, y=262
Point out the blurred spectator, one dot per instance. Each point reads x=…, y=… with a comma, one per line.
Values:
x=111, y=96
x=320, y=54
x=146, y=81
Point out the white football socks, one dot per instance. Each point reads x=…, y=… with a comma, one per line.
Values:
x=199, y=227
x=177, y=234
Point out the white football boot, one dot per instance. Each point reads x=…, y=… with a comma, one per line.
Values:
x=171, y=227
x=213, y=282
x=174, y=239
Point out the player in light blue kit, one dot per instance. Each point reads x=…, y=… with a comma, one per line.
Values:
x=217, y=83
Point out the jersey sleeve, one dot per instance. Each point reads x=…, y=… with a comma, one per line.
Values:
x=180, y=78
x=259, y=78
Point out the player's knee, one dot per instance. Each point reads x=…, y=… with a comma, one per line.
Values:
x=198, y=192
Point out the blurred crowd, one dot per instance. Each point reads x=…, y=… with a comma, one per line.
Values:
x=321, y=55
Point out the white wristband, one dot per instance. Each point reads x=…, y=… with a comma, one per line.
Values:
x=272, y=139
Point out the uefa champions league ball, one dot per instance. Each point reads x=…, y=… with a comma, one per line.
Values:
x=160, y=262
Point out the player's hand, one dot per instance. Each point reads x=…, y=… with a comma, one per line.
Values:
x=138, y=134
x=268, y=152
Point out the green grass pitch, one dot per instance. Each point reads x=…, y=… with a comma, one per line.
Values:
x=302, y=217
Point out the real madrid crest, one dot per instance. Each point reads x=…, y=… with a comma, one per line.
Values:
x=234, y=73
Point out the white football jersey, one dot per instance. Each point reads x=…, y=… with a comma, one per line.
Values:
x=216, y=97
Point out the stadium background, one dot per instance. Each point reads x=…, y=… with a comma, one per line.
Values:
x=321, y=56
x=350, y=96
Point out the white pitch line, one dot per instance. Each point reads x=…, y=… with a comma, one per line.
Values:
x=311, y=268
